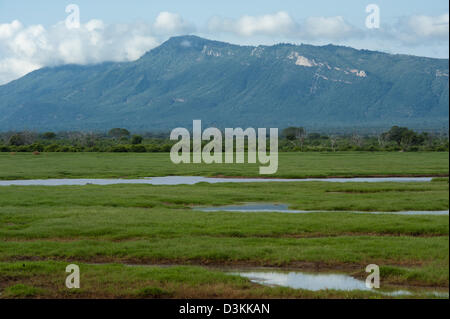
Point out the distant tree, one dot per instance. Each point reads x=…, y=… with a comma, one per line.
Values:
x=49, y=135
x=118, y=133
x=17, y=140
x=89, y=139
x=357, y=140
x=314, y=136
x=124, y=140
x=75, y=137
x=382, y=139
x=23, y=138
x=396, y=134
x=428, y=139
x=136, y=139
x=410, y=138
x=404, y=137
x=30, y=137
x=295, y=134
x=292, y=133
x=333, y=142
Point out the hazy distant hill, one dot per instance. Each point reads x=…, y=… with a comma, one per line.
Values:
x=227, y=85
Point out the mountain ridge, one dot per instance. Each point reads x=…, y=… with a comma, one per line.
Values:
x=228, y=85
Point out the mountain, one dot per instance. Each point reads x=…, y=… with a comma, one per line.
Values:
x=228, y=85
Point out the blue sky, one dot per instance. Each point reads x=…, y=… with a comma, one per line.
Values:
x=48, y=12
x=33, y=33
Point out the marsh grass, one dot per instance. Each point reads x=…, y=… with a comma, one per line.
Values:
x=305, y=196
x=121, y=281
x=42, y=229
x=23, y=291
x=291, y=165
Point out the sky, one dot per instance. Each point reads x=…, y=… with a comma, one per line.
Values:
x=35, y=34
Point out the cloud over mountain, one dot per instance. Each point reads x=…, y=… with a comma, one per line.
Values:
x=282, y=24
x=24, y=49
x=189, y=77
x=420, y=28
x=279, y=23
x=27, y=48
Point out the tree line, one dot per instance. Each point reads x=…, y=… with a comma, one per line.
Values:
x=292, y=139
x=395, y=139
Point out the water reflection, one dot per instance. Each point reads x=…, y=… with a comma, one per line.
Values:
x=313, y=282
x=191, y=180
x=283, y=208
x=317, y=282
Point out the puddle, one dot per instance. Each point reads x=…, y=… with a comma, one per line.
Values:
x=298, y=280
x=283, y=208
x=317, y=282
x=273, y=277
x=251, y=208
x=191, y=180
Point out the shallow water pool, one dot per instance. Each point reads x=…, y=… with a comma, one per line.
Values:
x=317, y=282
x=191, y=180
x=284, y=208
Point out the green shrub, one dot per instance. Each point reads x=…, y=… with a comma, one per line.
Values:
x=153, y=148
x=23, y=148
x=16, y=140
x=51, y=148
x=119, y=149
x=166, y=148
x=93, y=149
x=36, y=147
x=136, y=139
x=64, y=149
x=138, y=148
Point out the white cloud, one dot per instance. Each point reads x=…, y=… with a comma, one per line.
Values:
x=426, y=26
x=327, y=28
x=8, y=29
x=283, y=25
x=11, y=68
x=25, y=49
x=137, y=46
x=421, y=28
x=420, y=34
x=172, y=23
x=279, y=23
x=412, y=29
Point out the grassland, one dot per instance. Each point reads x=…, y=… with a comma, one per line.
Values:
x=119, y=234
x=291, y=165
x=121, y=281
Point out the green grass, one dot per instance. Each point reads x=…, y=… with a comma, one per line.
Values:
x=120, y=281
x=304, y=195
x=130, y=223
x=22, y=291
x=42, y=229
x=291, y=165
x=148, y=224
x=360, y=250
